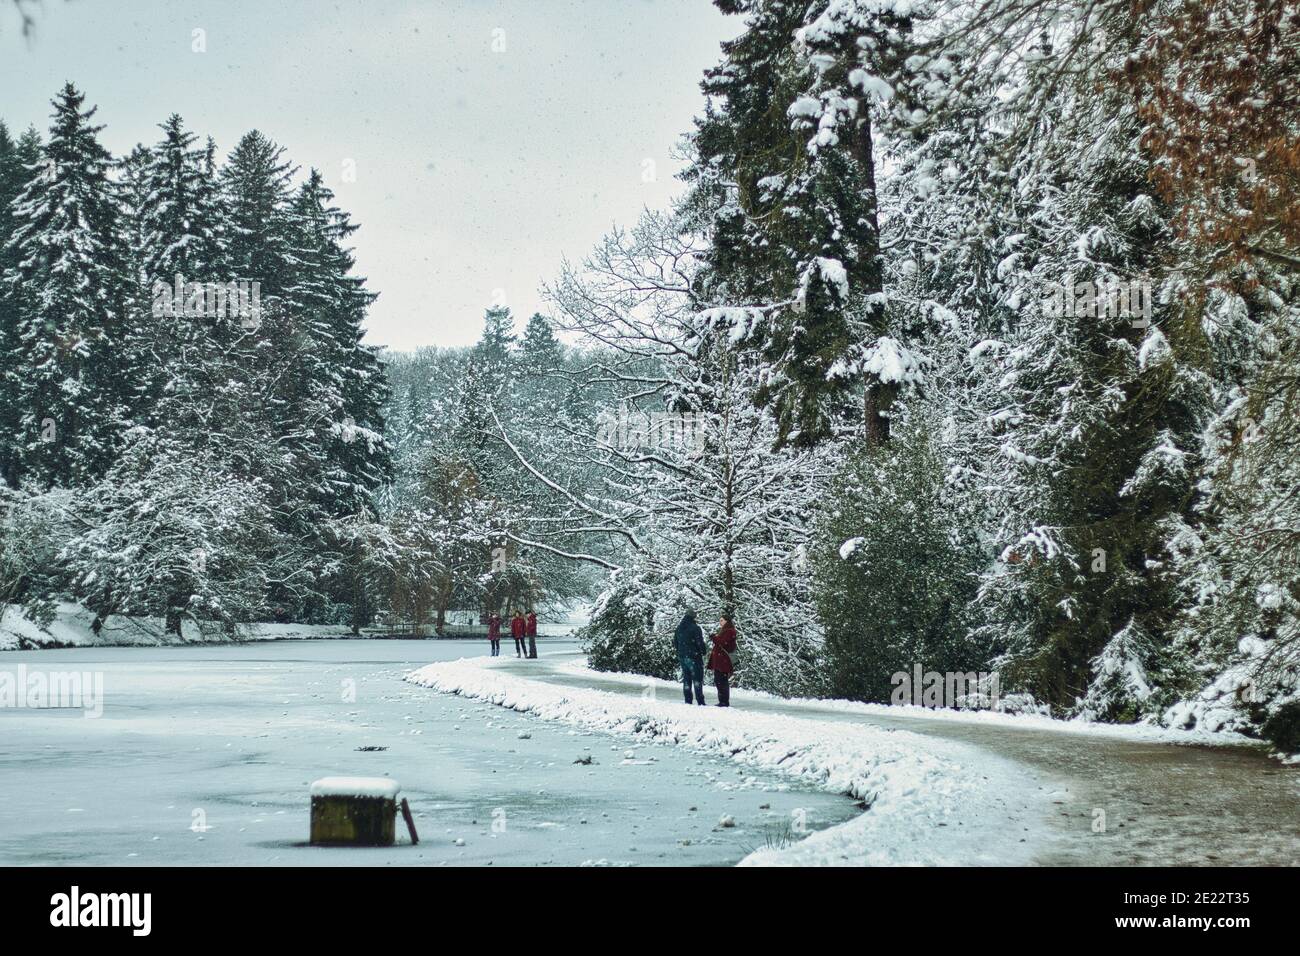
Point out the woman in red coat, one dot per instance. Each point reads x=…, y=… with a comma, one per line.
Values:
x=720, y=660
x=517, y=632
x=494, y=633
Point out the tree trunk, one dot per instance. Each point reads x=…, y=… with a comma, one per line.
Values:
x=869, y=276
x=878, y=400
x=360, y=599
x=174, y=616
x=444, y=599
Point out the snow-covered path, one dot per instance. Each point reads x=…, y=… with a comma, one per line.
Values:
x=1044, y=790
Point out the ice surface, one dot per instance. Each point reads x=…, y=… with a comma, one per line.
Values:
x=204, y=756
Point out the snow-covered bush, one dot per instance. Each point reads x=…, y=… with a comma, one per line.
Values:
x=1123, y=676
x=33, y=530
x=621, y=637
x=174, y=535
x=894, y=573
x=1021, y=703
x=1283, y=727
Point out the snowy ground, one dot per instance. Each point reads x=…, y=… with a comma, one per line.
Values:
x=945, y=788
x=204, y=755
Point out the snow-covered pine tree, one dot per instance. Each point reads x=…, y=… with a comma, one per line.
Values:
x=488, y=384
x=905, y=528
x=1094, y=404
x=346, y=373
x=1226, y=139
x=282, y=406
x=346, y=385
x=18, y=163
x=181, y=240
x=539, y=349
x=255, y=193
x=140, y=347
x=543, y=389
x=895, y=566
x=496, y=346
x=549, y=398
x=784, y=174
x=181, y=214
x=69, y=283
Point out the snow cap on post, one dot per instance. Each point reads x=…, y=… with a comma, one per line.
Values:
x=355, y=787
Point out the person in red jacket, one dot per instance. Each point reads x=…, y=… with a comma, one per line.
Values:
x=517, y=632
x=720, y=658
x=530, y=627
x=494, y=633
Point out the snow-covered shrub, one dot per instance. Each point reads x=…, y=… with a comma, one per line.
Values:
x=1250, y=689
x=34, y=528
x=893, y=572
x=1121, y=689
x=1021, y=703
x=172, y=534
x=1283, y=727
x=621, y=637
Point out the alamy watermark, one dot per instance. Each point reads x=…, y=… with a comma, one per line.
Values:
x=240, y=300
x=75, y=908
x=968, y=690
x=41, y=690
x=1110, y=299
x=629, y=429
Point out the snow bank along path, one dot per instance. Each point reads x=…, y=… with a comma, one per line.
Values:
x=929, y=801
x=1117, y=796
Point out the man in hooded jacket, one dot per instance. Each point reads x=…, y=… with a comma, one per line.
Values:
x=689, y=641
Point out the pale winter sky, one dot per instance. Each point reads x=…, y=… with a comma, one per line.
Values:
x=489, y=137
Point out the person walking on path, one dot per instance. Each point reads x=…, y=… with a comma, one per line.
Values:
x=494, y=633
x=689, y=641
x=517, y=632
x=530, y=628
x=721, y=661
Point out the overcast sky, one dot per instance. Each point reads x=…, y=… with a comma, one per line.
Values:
x=489, y=137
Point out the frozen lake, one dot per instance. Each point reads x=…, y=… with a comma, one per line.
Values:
x=203, y=756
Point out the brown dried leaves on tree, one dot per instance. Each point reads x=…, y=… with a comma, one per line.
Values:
x=1217, y=85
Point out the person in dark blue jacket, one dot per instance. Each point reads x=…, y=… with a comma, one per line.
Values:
x=689, y=641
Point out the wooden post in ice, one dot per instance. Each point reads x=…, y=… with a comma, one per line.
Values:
x=353, y=811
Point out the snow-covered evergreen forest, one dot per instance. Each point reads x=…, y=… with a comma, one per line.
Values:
x=972, y=342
